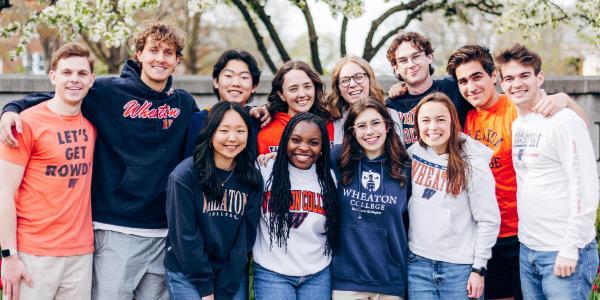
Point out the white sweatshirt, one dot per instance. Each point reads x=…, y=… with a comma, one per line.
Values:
x=338, y=126
x=306, y=244
x=557, y=180
x=461, y=229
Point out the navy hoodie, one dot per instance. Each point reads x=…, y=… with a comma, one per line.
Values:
x=373, y=244
x=209, y=241
x=141, y=135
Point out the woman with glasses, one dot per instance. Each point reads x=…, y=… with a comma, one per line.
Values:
x=372, y=170
x=295, y=88
x=454, y=215
x=353, y=79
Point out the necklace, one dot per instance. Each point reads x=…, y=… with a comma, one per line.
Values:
x=226, y=179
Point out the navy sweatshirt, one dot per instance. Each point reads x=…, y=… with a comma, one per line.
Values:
x=373, y=244
x=210, y=241
x=141, y=135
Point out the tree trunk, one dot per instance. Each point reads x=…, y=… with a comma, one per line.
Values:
x=343, y=36
x=266, y=20
x=257, y=37
x=313, y=38
x=191, y=58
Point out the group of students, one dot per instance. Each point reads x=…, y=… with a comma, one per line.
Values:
x=355, y=196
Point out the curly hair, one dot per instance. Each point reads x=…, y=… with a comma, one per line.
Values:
x=160, y=32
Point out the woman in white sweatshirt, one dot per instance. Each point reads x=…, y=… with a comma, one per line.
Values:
x=453, y=212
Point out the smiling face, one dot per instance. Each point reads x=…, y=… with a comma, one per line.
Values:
x=412, y=64
x=305, y=145
x=354, y=90
x=234, y=83
x=435, y=126
x=298, y=91
x=229, y=139
x=370, y=132
x=72, y=79
x=158, y=60
x=476, y=85
x=521, y=84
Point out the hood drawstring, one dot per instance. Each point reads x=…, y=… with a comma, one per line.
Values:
x=359, y=183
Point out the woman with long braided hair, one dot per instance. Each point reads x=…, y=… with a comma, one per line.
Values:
x=298, y=229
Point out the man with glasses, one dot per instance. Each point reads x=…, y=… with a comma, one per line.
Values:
x=411, y=56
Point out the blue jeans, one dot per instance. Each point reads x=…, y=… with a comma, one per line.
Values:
x=431, y=279
x=539, y=282
x=180, y=287
x=274, y=286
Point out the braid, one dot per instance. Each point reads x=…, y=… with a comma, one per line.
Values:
x=281, y=197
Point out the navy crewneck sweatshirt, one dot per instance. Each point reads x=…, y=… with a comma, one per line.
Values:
x=141, y=135
x=209, y=241
x=373, y=244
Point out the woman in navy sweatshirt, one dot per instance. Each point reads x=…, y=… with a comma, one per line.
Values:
x=372, y=169
x=213, y=207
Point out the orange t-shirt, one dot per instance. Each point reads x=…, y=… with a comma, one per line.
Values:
x=493, y=128
x=269, y=137
x=54, y=216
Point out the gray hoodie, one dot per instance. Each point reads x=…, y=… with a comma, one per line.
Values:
x=461, y=229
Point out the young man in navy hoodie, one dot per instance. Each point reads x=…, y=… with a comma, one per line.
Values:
x=141, y=122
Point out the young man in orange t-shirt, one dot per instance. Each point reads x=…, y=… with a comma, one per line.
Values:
x=45, y=189
x=490, y=122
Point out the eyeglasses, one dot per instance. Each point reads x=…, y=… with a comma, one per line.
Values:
x=358, y=78
x=362, y=127
x=416, y=59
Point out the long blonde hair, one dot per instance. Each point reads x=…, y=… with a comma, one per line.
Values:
x=336, y=105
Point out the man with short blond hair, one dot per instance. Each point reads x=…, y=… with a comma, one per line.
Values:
x=45, y=207
x=142, y=126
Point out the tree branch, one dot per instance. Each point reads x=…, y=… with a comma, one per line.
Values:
x=419, y=7
x=192, y=27
x=257, y=36
x=343, y=36
x=266, y=20
x=313, y=38
x=368, y=50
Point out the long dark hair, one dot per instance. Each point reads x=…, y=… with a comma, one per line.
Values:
x=276, y=104
x=351, y=155
x=204, y=162
x=458, y=162
x=281, y=197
